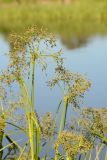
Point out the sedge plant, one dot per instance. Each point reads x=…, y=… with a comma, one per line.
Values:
x=28, y=50
x=25, y=53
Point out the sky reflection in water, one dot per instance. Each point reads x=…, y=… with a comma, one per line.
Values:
x=90, y=60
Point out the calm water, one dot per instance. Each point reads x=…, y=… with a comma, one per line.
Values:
x=90, y=59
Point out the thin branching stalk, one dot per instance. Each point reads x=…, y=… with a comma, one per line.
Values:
x=63, y=119
x=33, y=83
x=22, y=151
x=26, y=100
x=15, y=144
x=29, y=73
x=98, y=151
x=63, y=116
x=38, y=133
x=2, y=127
x=85, y=156
x=16, y=126
x=105, y=156
x=90, y=155
x=31, y=123
x=101, y=136
x=52, y=133
x=1, y=146
x=10, y=144
x=33, y=95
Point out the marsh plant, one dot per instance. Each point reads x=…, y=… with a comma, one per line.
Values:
x=29, y=49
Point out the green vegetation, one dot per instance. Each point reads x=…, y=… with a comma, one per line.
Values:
x=74, y=141
x=49, y=137
x=80, y=19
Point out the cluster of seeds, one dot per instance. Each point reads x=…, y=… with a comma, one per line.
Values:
x=72, y=144
x=2, y=125
x=47, y=125
x=94, y=123
x=76, y=85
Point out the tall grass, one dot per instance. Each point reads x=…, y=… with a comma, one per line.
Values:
x=2, y=125
x=81, y=21
x=76, y=141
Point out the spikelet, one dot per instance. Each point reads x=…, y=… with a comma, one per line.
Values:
x=72, y=143
x=2, y=125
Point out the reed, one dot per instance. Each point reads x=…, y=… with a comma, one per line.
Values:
x=34, y=129
x=78, y=140
x=2, y=126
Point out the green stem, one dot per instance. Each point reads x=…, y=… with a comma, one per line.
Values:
x=21, y=154
x=38, y=132
x=90, y=155
x=31, y=137
x=106, y=156
x=14, y=125
x=85, y=156
x=1, y=146
x=26, y=101
x=63, y=117
x=28, y=77
x=99, y=151
x=100, y=136
x=33, y=94
x=101, y=147
x=37, y=135
x=33, y=85
x=37, y=143
x=52, y=133
x=56, y=155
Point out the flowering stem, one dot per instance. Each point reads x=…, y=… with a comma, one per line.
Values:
x=33, y=83
x=106, y=156
x=90, y=155
x=1, y=139
x=63, y=117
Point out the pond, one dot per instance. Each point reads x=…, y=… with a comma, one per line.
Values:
x=89, y=59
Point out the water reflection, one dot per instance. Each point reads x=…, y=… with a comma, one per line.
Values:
x=4, y=49
x=74, y=42
x=89, y=59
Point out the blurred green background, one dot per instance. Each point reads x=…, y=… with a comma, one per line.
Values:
x=66, y=18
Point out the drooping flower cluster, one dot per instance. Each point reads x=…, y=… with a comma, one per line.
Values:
x=2, y=93
x=2, y=125
x=75, y=84
x=72, y=144
x=94, y=122
x=47, y=125
x=25, y=49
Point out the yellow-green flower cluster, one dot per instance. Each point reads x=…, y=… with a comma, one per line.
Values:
x=2, y=125
x=72, y=144
x=80, y=86
x=47, y=125
x=97, y=118
x=75, y=84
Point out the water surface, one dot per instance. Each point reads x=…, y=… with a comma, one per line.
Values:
x=90, y=59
